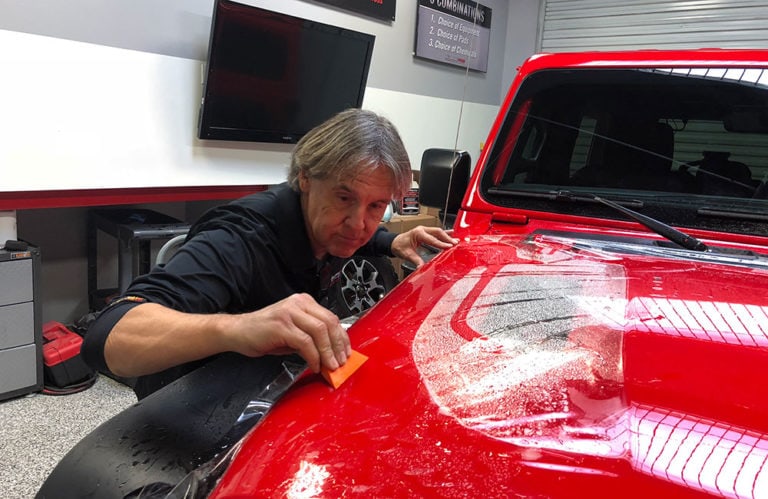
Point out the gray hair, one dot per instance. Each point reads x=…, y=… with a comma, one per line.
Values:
x=350, y=143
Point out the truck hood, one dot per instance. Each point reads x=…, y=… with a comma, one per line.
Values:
x=536, y=366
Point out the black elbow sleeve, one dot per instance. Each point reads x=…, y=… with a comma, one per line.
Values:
x=95, y=338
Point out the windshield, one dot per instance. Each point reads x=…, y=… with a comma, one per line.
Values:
x=691, y=145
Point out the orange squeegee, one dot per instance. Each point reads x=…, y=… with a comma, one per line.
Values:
x=338, y=376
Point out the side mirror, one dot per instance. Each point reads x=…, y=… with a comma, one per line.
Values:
x=443, y=178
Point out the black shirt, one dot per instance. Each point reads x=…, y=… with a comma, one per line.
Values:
x=237, y=258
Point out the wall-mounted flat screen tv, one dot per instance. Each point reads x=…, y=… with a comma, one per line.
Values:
x=271, y=77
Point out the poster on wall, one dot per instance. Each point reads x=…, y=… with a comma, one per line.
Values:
x=380, y=9
x=453, y=32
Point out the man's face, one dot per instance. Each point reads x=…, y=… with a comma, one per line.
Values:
x=341, y=216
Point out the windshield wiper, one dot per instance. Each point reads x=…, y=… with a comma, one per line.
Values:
x=553, y=196
x=660, y=228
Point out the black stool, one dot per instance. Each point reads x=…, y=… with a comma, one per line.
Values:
x=134, y=229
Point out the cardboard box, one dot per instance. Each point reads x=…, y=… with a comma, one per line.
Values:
x=394, y=225
x=429, y=210
x=403, y=223
x=411, y=221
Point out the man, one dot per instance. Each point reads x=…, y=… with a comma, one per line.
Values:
x=248, y=277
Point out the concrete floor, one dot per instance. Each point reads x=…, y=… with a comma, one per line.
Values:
x=37, y=430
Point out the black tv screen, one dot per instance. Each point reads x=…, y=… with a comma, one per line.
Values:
x=272, y=77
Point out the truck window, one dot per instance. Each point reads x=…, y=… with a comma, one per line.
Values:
x=644, y=130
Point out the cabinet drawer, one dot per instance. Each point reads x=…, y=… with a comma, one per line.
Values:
x=18, y=368
x=17, y=325
x=15, y=281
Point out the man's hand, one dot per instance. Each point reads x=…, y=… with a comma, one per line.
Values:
x=295, y=324
x=405, y=244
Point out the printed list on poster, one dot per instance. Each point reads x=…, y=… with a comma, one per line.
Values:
x=454, y=32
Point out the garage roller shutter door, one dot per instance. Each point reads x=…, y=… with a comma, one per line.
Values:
x=572, y=25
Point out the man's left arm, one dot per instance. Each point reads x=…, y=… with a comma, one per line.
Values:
x=404, y=245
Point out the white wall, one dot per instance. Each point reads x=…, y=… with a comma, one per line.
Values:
x=180, y=28
x=84, y=116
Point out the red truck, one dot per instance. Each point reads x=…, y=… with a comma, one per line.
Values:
x=601, y=330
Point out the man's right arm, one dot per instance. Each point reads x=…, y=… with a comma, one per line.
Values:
x=150, y=337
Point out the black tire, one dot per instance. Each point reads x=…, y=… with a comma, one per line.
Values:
x=359, y=283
